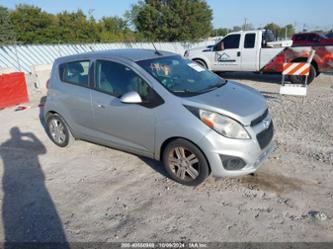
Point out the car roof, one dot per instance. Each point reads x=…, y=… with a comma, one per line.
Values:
x=131, y=54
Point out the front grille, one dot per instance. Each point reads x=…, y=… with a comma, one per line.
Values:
x=265, y=136
x=256, y=121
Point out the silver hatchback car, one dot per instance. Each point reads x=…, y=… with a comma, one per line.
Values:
x=162, y=106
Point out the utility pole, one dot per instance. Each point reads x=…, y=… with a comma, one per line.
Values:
x=245, y=24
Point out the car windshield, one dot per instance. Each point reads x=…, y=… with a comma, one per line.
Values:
x=181, y=76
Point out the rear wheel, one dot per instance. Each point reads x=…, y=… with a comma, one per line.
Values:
x=185, y=162
x=295, y=79
x=58, y=131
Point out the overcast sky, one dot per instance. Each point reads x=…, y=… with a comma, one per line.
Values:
x=227, y=13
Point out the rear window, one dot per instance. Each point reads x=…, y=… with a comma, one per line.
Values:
x=249, y=40
x=307, y=37
x=75, y=72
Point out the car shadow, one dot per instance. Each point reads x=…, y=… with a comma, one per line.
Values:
x=264, y=78
x=28, y=211
x=155, y=165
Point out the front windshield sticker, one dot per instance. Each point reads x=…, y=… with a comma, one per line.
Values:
x=196, y=67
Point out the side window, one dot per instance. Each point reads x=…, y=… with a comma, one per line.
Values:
x=300, y=37
x=75, y=72
x=249, y=40
x=316, y=38
x=117, y=79
x=309, y=37
x=231, y=41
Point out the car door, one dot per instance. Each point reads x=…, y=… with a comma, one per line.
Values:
x=228, y=54
x=74, y=95
x=128, y=126
x=250, y=52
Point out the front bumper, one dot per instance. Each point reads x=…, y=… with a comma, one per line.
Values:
x=215, y=145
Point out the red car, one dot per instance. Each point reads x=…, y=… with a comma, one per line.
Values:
x=305, y=39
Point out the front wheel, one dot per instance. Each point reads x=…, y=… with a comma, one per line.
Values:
x=296, y=79
x=185, y=163
x=201, y=63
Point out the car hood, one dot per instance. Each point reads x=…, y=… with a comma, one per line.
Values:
x=234, y=100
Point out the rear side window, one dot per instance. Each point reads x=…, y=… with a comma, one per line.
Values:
x=75, y=72
x=249, y=40
x=231, y=41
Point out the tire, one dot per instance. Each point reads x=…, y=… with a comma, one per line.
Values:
x=201, y=63
x=185, y=163
x=301, y=79
x=58, y=131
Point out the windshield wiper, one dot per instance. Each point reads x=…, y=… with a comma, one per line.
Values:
x=208, y=89
x=213, y=87
x=183, y=91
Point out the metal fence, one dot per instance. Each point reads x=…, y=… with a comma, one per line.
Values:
x=23, y=57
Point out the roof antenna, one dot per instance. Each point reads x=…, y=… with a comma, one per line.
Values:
x=156, y=51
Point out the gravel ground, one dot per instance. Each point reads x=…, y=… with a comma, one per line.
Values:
x=93, y=193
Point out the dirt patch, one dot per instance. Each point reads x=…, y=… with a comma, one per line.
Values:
x=273, y=182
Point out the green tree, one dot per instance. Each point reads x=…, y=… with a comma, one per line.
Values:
x=220, y=32
x=274, y=28
x=288, y=31
x=32, y=25
x=74, y=27
x=172, y=20
x=114, y=29
x=7, y=35
x=236, y=29
x=281, y=32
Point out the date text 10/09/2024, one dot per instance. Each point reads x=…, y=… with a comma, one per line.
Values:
x=163, y=245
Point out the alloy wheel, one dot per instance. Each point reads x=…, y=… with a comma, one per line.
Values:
x=184, y=164
x=57, y=131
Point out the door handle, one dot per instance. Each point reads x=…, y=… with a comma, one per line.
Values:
x=238, y=53
x=100, y=106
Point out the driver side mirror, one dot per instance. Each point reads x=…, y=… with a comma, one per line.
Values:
x=131, y=98
x=219, y=46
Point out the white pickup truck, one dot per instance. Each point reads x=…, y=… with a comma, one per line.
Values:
x=256, y=51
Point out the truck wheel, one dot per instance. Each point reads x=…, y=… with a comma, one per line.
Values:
x=295, y=79
x=201, y=63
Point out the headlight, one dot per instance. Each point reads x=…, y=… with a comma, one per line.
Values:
x=223, y=125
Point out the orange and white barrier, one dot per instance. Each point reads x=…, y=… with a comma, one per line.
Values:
x=301, y=68
x=296, y=68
